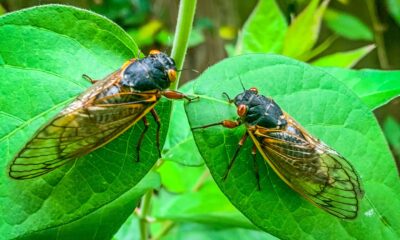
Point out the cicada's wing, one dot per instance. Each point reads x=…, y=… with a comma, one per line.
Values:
x=85, y=125
x=311, y=168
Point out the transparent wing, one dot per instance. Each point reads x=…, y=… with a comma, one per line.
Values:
x=82, y=127
x=311, y=168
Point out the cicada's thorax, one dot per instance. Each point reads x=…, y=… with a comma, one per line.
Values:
x=261, y=111
x=150, y=74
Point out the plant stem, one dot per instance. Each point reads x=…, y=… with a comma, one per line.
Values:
x=144, y=210
x=170, y=224
x=378, y=34
x=164, y=230
x=184, y=24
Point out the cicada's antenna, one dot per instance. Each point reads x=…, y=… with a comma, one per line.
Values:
x=184, y=69
x=165, y=49
x=241, y=82
x=227, y=96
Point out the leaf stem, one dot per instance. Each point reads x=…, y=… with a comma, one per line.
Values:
x=184, y=24
x=378, y=34
x=144, y=210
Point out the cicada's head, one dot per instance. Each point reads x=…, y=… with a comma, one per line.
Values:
x=155, y=72
x=256, y=109
x=164, y=71
x=245, y=100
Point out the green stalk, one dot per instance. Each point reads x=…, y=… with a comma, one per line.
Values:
x=184, y=24
x=378, y=34
x=144, y=211
x=187, y=9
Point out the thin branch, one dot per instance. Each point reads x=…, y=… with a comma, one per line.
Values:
x=144, y=211
x=378, y=34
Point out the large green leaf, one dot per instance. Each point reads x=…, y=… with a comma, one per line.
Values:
x=344, y=59
x=265, y=29
x=374, y=87
x=327, y=109
x=43, y=53
x=347, y=25
x=105, y=221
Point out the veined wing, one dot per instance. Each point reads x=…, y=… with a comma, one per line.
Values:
x=311, y=168
x=85, y=125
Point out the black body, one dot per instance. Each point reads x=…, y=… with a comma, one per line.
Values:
x=261, y=110
x=149, y=73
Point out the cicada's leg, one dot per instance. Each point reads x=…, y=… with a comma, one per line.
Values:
x=89, y=78
x=158, y=121
x=225, y=123
x=177, y=95
x=146, y=127
x=240, y=145
x=228, y=124
x=256, y=170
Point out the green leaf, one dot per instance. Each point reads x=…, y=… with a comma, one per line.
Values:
x=209, y=232
x=394, y=9
x=329, y=111
x=344, y=59
x=303, y=33
x=172, y=174
x=43, y=53
x=374, y=87
x=200, y=199
x=320, y=48
x=145, y=35
x=347, y=26
x=264, y=30
x=180, y=137
x=105, y=221
x=129, y=230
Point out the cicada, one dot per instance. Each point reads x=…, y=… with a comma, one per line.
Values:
x=310, y=167
x=100, y=114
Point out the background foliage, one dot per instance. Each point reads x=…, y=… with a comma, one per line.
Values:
x=44, y=48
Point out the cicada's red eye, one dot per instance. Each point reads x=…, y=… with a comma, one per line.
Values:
x=171, y=75
x=242, y=110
